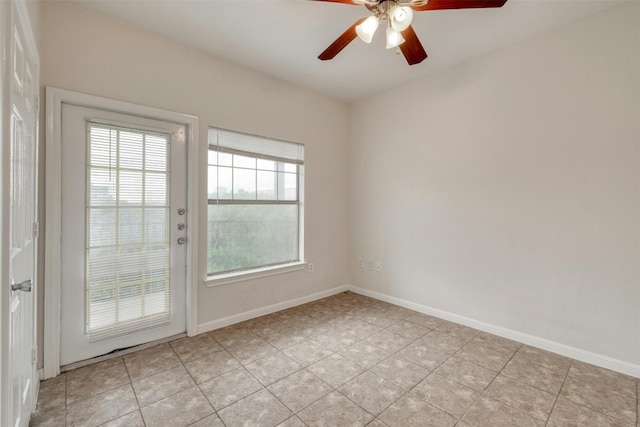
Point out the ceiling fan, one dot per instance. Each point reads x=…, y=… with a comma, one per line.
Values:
x=398, y=15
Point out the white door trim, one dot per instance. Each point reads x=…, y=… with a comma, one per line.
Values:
x=53, y=139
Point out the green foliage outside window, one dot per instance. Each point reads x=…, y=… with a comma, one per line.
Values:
x=250, y=236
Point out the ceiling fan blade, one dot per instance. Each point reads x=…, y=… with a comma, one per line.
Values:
x=343, y=1
x=341, y=42
x=459, y=4
x=412, y=49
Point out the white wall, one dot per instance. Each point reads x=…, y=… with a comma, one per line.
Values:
x=85, y=52
x=507, y=189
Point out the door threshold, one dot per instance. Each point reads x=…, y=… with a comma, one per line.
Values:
x=118, y=353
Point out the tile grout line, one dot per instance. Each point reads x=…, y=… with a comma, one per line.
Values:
x=302, y=368
x=433, y=372
x=334, y=388
x=406, y=392
x=66, y=377
x=311, y=403
x=182, y=363
x=586, y=406
x=566, y=375
x=481, y=394
x=134, y=393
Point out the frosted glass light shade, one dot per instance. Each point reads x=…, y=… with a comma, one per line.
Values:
x=366, y=30
x=400, y=17
x=394, y=38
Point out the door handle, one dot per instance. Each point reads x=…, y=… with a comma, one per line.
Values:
x=22, y=286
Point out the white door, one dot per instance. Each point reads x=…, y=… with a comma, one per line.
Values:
x=23, y=129
x=123, y=256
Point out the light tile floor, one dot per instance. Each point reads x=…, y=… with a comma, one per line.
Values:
x=346, y=360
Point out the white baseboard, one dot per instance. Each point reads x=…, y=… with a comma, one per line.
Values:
x=555, y=347
x=241, y=317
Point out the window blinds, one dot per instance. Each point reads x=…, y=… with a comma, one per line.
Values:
x=256, y=146
x=128, y=246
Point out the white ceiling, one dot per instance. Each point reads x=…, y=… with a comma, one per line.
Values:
x=283, y=38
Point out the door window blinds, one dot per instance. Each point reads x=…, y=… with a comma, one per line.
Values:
x=127, y=238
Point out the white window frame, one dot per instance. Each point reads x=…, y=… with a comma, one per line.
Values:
x=262, y=271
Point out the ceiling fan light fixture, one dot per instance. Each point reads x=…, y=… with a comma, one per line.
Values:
x=400, y=17
x=366, y=30
x=397, y=15
x=394, y=38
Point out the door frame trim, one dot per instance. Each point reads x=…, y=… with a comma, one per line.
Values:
x=53, y=205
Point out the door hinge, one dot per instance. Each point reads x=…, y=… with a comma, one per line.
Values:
x=37, y=104
x=34, y=356
x=36, y=229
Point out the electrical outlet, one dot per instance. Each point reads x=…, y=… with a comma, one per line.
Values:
x=360, y=263
x=370, y=265
x=310, y=267
x=379, y=266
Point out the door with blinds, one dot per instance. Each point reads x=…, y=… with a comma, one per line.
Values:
x=123, y=256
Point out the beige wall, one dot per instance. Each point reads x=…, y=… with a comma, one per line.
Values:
x=507, y=189
x=88, y=53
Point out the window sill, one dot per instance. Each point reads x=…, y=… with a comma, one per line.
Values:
x=241, y=276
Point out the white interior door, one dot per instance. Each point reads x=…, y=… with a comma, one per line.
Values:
x=123, y=256
x=22, y=210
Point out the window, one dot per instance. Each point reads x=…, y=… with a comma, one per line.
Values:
x=255, y=211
